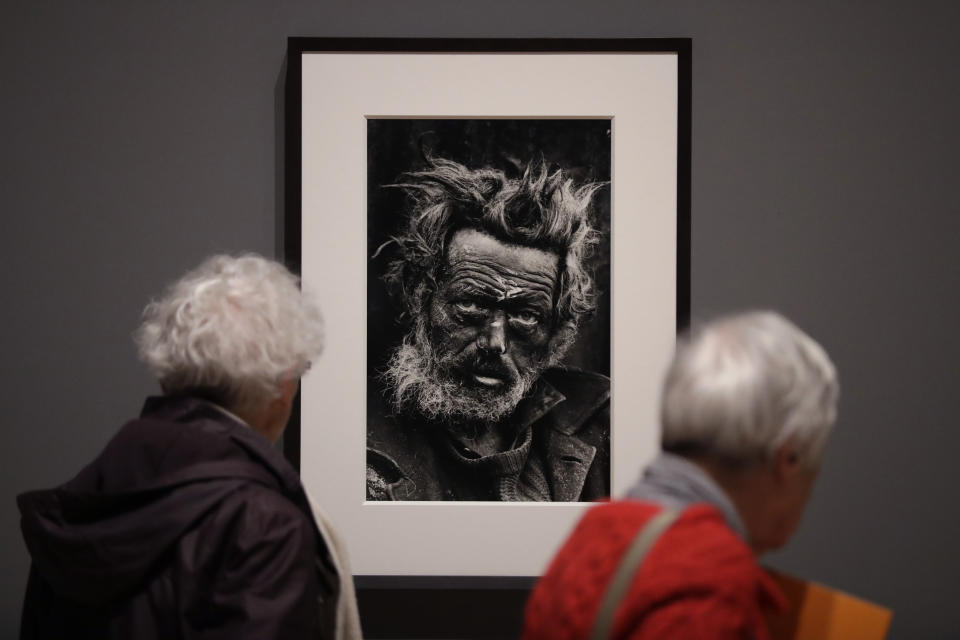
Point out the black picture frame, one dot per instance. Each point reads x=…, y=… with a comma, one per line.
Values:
x=292, y=242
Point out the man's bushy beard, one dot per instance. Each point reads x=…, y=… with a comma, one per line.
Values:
x=421, y=377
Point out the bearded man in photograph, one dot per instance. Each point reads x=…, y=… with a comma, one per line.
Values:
x=476, y=402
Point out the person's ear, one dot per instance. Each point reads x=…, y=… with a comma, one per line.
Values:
x=276, y=414
x=288, y=389
x=787, y=462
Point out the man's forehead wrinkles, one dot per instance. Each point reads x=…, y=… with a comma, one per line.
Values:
x=505, y=287
x=482, y=291
x=501, y=272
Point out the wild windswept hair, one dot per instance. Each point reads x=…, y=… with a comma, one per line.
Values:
x=743, y=385
x=231, y=329
x=541, y=209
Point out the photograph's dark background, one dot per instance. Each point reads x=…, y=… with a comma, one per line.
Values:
x=581, y=148
x=138, y=137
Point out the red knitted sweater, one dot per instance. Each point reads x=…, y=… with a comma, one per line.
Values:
x=699, y=581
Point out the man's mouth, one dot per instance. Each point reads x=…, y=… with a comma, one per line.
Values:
x=489, y=375
x=488, y=380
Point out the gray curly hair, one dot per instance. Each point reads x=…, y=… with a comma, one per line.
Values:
x=743, y=385
x=232, y=329
x=542, y=209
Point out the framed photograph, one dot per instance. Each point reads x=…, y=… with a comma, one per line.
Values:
x=498, y=234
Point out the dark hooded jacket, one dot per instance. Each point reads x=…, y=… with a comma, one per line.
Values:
x=188, y=525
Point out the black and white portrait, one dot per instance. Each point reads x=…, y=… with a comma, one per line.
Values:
x=488, y=309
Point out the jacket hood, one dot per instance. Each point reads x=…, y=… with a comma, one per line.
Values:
x=99, y=535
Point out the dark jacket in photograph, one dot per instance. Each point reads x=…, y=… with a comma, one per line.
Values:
x=562, y=451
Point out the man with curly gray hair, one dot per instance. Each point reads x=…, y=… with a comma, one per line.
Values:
x=475, y=404
x=190, y=523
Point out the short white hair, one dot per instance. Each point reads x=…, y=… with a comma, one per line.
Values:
x=743, y=385
x=232, y=329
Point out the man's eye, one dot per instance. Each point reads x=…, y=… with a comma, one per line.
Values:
x=525, y=317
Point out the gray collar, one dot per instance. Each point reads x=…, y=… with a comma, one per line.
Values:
x=673, y=481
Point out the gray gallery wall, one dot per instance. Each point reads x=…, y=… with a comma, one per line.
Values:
x=137, y=137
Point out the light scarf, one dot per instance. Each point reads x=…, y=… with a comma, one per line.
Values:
x=675, y=482
x=348, y=618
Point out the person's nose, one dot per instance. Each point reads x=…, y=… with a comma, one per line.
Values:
x=493, y=335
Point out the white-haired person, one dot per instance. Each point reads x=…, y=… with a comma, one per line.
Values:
x=746, y=408
x=190, y=524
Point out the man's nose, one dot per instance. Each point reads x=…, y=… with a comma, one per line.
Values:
x=493, y=336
